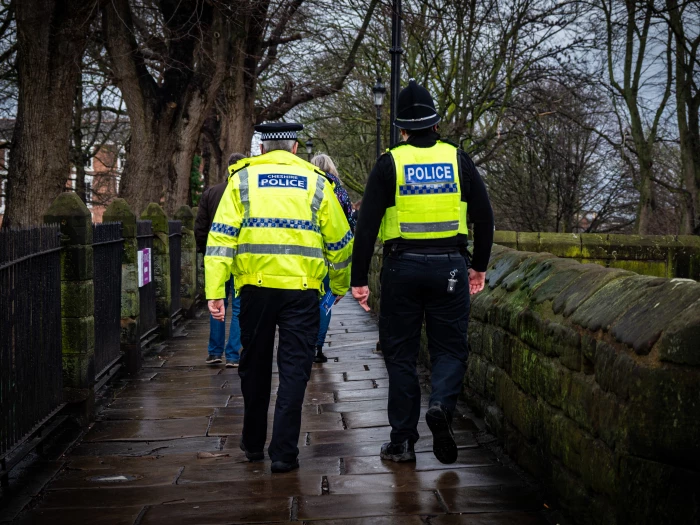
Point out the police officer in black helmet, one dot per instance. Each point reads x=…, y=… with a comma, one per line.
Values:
x=417, y=199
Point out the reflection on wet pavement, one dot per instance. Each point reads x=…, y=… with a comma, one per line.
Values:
x=165, y=450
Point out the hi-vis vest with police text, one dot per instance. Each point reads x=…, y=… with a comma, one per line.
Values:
x=277, y=224
x=428, y=194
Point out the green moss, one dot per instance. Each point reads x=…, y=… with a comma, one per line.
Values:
x=654, y=269
x=566, y=245
x=78, y=335
x=157, y=216
x=77, y=298
x=119, y=211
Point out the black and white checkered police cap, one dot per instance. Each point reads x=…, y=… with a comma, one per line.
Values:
x=279, y=131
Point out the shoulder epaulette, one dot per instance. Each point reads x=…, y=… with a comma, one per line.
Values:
x=235, y=169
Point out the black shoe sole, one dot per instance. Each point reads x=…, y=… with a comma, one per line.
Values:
x=279, y=467
x=444, y=446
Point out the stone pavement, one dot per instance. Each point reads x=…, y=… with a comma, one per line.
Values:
x=165, y=450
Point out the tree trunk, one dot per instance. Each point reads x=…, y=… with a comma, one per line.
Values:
x=687, y=107
x=51, y=39
x=202, y=92
x=647, y=201
x=166, y=117
x=237, y=106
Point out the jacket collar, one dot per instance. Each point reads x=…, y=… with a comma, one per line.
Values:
x=277, y=157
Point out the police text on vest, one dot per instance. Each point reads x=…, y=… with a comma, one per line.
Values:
x=281, y=180
x=428, y=173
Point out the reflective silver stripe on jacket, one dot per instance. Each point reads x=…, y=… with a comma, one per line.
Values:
x=318, y=197
x=220, y=251
x=243, y=190
x=342, y=264
x=426, y=227
x=280, y=249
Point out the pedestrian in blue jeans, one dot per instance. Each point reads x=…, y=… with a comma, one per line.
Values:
x=326, y=164
x=206, y=210
x=323, y=328
x=217, y=333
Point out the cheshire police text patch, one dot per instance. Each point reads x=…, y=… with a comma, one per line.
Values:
x=428, y=173
x=281, y=180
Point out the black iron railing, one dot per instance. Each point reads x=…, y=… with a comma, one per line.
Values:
x=31, y=380
x=148, y=321
x=107, y=252
x=175, y=231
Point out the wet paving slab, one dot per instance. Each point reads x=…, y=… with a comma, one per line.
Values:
x=166, y=450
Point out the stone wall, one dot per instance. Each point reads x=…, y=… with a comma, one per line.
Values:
x=656, y=255
x=590, y=377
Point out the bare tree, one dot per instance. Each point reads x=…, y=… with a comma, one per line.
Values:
x=168, y=59
x=684, y=21
x=289, y=60
x=629, y=32
x=51, y=39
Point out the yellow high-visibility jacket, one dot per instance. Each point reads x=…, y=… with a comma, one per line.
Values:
x=277, y=224
x=428, y=194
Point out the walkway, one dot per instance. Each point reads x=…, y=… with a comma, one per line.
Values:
x=166, y=451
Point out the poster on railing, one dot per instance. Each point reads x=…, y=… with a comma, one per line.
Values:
x=144, y=258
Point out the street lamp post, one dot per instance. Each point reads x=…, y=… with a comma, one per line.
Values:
x=309, y=148
x=378, y=91
x=396, y=52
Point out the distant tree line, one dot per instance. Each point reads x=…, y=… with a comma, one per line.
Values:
x=581, y=116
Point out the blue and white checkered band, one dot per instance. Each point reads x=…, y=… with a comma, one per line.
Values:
x=295, y=224
x=426, y=189
x=428, y=173
x=279, y=135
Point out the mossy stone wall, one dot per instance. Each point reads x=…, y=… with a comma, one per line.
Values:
x=119, y=211
x=590, y=377
x=656, y=255
x=77, y=303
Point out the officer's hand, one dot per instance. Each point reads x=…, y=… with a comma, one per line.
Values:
x=217, y=309
x=337, y=299
x=361, y=293
x=476, y=281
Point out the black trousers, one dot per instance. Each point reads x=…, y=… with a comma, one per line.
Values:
x=296, y=313
x=414, y=288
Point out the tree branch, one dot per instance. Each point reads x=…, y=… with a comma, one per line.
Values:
x=288, y=100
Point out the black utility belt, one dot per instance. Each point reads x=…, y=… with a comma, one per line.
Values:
x=423, y=256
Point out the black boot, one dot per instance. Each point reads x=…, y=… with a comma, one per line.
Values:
x=251, y=456
x=320, y=358
x=279, y=467
x=440, y=424
x=399, y=452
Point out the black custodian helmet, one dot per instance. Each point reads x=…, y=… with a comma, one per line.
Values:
x=415, y=108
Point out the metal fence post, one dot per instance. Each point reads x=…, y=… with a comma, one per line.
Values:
x=188, y=261
x=77, y=303
x=161, y=266
x=119, y=211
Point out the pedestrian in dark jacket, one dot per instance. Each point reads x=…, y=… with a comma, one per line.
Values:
x=217, y=330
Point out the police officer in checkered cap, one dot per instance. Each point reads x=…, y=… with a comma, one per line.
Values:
x=277, y=224
x=418, y=198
